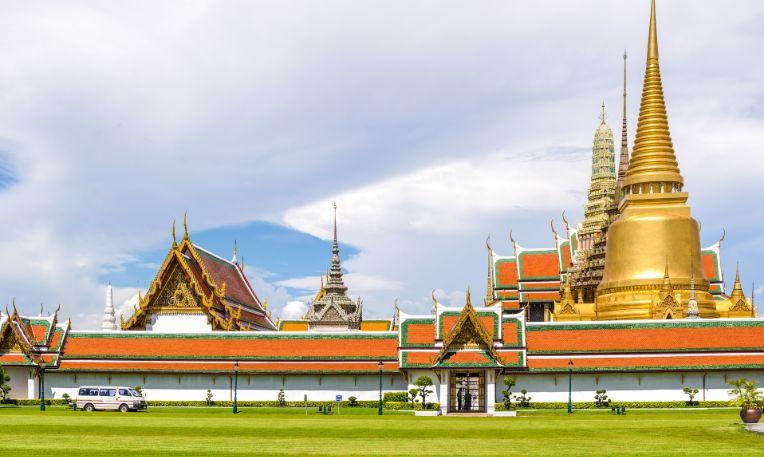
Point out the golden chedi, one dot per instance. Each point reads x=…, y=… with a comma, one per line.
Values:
x=655, y=240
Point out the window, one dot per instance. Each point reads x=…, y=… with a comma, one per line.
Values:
x=135, y=393
x=93, y=392
x=124, y=392
x=83, y=391
x=108, y=392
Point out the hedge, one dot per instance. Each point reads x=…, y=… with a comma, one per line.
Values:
x=627, y=404
x=396, y=396
x=398, y=405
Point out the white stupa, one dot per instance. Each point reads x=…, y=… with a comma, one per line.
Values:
x=109, y=319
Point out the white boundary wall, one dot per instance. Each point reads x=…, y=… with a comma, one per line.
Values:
x=540, y=387
x=250, y=387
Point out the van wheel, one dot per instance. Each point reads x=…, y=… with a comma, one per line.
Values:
x=89, y=408
x=123, y=408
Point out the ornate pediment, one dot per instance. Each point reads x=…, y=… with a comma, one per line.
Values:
x=741, y=305
x=177, y=296
x=467, y=333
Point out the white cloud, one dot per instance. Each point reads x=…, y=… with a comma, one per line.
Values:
x=294, y=309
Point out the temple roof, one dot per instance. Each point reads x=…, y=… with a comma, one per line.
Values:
x=201, y=283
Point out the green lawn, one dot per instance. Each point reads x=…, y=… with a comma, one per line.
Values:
x=264, y=431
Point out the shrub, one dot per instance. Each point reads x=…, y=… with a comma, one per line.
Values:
x=423, y=384
x=4, y=387
x=523, y=400
x=509, y=382
x=209, y=398
x=600, y=399
x=412, y=396
x=352, y=401
x=691, y=392
x=398, y=405
x=627, y=404
x=396, y=396
x=282, y=398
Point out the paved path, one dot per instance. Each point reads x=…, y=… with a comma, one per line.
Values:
x=758, y=428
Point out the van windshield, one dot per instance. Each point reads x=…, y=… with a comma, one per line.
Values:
x=135, y=393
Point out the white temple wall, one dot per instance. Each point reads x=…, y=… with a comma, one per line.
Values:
x=541, y=388
x=627, y=387
x=193, y=387
x=23, y=383
x=439, y=389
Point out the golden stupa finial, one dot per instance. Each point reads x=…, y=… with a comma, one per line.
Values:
x=653, y=159
x=602, y=116
x=174, y=239
x=489, y=276
x=666, y=288
x=737, y=288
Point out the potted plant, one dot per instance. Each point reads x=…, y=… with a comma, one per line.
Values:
x=749, y=398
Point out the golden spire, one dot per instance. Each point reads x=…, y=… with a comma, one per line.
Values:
x=737, y=288
x=666, y=288
x=174, y=239
x=653, y=159
x=489, y=277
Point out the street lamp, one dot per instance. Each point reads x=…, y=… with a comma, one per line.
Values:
x=381, y=367
x=235, y=387
x=570, y=386
x=42, y=385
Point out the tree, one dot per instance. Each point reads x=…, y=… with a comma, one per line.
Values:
x=691, y=392
x=509, y=383
x=413, y=393
x=4, y=387
x=209, y=398
x=747, y=394
x=423, y=383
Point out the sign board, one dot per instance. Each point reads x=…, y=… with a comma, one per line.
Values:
x=338, y=398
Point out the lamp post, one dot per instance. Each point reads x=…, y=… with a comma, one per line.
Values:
x=381, y=367
x=42, y=386
x=235, y=387
x=570, y=386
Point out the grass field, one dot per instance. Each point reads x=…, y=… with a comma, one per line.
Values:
x=264, y=431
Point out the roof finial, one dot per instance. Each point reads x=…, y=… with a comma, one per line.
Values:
x=468, y=297
x=185, y=225
x=489, y=277
x=174, y=239
x=623, y=164
x=41, y=309
x=653, y=158
x=235, y=252
x=434, y=302
x=602, y=116
x=335, y=222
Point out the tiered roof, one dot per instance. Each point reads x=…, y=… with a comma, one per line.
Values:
x=193, y=280
x=646, y=345
x=461, y=337
x=31, y=341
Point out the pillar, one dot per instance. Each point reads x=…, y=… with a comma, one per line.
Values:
x=33, y=385
x=490, y=392
x=444, y=398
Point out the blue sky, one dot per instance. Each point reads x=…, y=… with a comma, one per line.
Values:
x=431, y=124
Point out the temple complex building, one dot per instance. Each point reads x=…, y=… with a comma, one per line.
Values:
x=627, y=301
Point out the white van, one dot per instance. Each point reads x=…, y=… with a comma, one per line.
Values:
x=120, y=398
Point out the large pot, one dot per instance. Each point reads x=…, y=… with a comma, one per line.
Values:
x=750, y=416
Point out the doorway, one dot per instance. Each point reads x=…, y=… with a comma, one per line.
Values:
x=467, y=392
